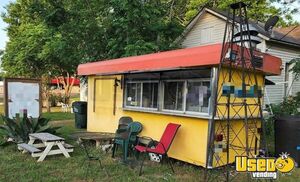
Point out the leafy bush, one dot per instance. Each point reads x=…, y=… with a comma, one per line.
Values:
x=55, y=99
x=289, y=106
x=18, y=130
x=297, y=98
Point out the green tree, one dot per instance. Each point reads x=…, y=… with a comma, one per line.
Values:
x=177, y=9
x=50, y=38
x=66, y=33
x=135, y=27
x=22, y=56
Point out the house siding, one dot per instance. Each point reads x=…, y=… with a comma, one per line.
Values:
x=206, y=20
x=275, y=92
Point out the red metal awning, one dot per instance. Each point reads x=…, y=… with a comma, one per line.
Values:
x=170, y=60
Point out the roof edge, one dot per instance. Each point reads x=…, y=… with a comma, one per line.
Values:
x=192, y=23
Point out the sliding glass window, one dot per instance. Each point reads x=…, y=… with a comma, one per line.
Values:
x=133, y=91
x=197, y=97
x=173, y=95
x=179, y=92
x=141, y=94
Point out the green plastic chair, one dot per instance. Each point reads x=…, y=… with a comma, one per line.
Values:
x=121, y=131
x=127, y=139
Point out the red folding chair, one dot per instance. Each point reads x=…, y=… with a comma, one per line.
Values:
x=162, y=146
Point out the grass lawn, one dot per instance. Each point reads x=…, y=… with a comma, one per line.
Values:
x=54, y=115
x=15, y=166
x=57, y=116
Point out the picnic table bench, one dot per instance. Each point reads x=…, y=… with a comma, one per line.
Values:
x=49, y=144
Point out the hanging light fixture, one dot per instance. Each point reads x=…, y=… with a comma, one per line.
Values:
x=254, y=39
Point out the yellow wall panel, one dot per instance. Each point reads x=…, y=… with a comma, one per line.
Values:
x=237, y=82
x=237, y=140
x=191, y=139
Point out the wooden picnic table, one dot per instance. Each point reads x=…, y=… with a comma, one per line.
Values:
x=49, y=144
x=99, y=137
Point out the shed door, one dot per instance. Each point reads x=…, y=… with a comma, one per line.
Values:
x=104, y=102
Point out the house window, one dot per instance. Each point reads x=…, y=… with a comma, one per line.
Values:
x=142, y=94
x=173, y=95
x=206, y=35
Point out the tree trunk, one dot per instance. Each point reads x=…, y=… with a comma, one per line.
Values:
x=48, y=106
x=65, y=81
x=46, y=91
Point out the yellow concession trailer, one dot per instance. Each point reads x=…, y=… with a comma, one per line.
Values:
x=156, y=89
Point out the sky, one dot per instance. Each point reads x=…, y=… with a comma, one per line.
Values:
x=4, y=38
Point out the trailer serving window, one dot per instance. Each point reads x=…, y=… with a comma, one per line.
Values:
x=197, y=97
x=141, y=94
x=173, y=95
x=180, y=92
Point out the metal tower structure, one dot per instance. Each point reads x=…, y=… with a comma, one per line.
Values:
x=236, y=127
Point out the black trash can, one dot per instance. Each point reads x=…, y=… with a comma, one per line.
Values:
x=287, y=134
x=80, y=110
